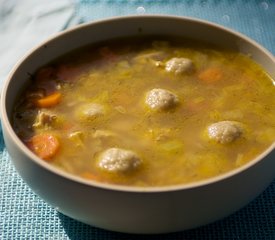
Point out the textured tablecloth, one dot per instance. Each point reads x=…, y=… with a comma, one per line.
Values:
x=23, y=215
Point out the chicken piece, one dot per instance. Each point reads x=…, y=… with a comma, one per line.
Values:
x=179, y=65
x=118, y=160
x=160, y=99
x=77, y=138
x=44, y=118
x=90, y=111
x=225, y=131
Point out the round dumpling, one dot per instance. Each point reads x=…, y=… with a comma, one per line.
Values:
x=118, y=160
x=161, y=99
x=225, y=131
x=179, y=65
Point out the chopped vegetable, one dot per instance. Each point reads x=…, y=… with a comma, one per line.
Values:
x=49, y=101
x=172, y=146
x=44, y=145
x=211, y=75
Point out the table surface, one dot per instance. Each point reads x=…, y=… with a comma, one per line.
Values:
x=23, y=215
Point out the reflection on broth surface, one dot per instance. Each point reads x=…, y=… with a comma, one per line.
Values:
x=148, y=112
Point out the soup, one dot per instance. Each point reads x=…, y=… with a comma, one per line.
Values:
x=148, y=111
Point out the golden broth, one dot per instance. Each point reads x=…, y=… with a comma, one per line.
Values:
x=173, y=145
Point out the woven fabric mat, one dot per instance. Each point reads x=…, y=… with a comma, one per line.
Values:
x=23, y=215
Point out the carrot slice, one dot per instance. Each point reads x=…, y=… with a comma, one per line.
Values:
x=49, y=101
x=211, y=75
x=44, y=145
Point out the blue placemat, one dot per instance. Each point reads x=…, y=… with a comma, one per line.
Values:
x=23, y=215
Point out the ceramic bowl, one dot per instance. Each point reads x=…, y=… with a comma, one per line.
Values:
x=136, y=209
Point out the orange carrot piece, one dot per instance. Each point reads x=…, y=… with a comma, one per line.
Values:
x=49, y=101
x=211, y=75
x=44, y=145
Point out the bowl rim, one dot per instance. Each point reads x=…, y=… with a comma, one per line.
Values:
x=116, y=187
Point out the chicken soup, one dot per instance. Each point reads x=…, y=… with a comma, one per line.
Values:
x=148, y=111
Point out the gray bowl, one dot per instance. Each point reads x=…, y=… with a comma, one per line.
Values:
x=136, y=209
